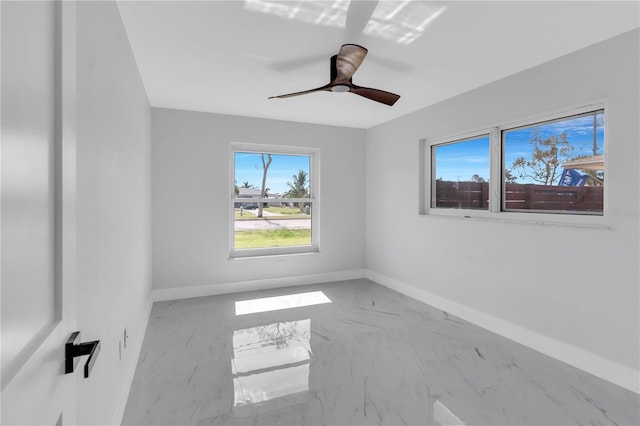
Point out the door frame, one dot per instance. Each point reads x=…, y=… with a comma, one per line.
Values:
x=37, y=373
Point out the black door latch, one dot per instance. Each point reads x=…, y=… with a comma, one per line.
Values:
x=72, y=350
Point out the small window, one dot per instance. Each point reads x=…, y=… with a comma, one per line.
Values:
x=460, y=174
x=273, y=202
x=555, y=166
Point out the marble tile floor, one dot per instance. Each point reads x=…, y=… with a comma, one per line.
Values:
x=351, y=353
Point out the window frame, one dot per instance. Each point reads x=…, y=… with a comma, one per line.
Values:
x=313, y=199
x=496, y=212
x=430, y=161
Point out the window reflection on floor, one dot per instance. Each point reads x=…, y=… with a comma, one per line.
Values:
x=443, y=416
x=288, y=301
x=271, y=361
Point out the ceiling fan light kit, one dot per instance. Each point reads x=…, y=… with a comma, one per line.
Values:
x=343, y=66
x=340, y=88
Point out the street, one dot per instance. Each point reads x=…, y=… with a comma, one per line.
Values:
x=266, y=223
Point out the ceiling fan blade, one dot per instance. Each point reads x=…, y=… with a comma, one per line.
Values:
x=349, y=59
x=377, y=95
x=358, y=15
x=304, y=92
x=293, y=64
x=391, y=64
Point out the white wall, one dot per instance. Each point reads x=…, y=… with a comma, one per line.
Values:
x=190, y=199
x=557, y=288
x=113, y=199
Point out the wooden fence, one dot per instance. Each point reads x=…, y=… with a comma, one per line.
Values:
x=462, y=195
x=475, y=195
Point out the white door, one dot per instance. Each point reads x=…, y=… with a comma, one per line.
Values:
x=37, y=210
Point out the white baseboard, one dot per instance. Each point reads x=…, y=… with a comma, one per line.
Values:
x=123, y=396
x=251, y=285
x=611, y=371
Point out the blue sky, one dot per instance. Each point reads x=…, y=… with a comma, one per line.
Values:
x=248, y=167
x=460, y=161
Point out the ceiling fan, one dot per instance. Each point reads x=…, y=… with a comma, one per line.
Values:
x=343, y=66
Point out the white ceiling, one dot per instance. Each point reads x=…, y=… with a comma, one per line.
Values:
x=230, y=56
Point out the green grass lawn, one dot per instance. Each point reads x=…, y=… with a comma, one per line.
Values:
x=285, y=211
x=272, y=238
x=245, y=215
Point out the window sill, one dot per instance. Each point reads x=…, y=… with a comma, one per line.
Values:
x=271, y=253
x=524, y=218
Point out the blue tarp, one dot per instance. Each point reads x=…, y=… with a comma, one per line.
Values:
x=571, y=177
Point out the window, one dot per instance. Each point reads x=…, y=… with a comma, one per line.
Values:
x=274, y=200
x=460, y=174
x=555, y=166
x=550, y=166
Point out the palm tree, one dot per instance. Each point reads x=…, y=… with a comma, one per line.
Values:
x=509, y=177
x=298, y=188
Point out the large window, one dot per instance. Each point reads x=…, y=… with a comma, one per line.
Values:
x=274, y=201
x=553, y=166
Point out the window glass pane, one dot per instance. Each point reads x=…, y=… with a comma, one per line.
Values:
x=460, y=174
x=556, y=166
x=279, y=177
x=283, y=224
x=284, y=220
